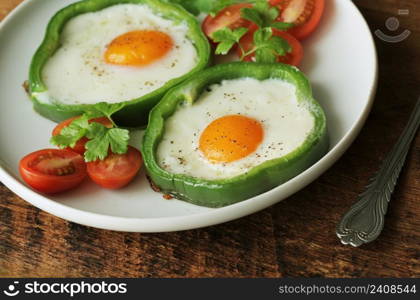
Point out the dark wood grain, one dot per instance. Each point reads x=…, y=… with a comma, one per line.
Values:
x=293, y=238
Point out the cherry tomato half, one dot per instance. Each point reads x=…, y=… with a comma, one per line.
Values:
x=117, y=170
x=293, y=58
x=52, y=171
x=227, y=17
x=80, y=145
x=305, y=14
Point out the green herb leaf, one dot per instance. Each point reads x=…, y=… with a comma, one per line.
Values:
x=268, y=47
x=196, y=6
x=262, y=35
x=69, y=135
x=279, y=45
x=218, y=5
x=229, y=34
x=102, y=138
x=252, y=15
x=118, y=139
x=262, y=13
x=263, y=53
x=97, y=147
x=282, y=25
x=105, y=109
x=224, y=47
x=227, y=37
x=269, y=13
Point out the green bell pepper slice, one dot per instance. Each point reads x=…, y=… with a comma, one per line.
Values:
x=135, y=112
x=218, y=193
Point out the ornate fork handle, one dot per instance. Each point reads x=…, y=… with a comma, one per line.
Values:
x=364, y=221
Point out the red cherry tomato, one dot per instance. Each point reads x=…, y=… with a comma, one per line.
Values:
x=293, y=58
x=305, y=14
x=117, y=170
x=80, y=145
x=228, y=17
x=52, y=171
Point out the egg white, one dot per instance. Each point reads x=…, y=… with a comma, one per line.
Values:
x=77, y=72
x=272, y=102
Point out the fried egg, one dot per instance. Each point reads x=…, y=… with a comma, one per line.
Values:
x=232, y=127
x=117, y=54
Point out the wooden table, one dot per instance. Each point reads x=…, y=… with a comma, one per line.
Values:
x=293, y=238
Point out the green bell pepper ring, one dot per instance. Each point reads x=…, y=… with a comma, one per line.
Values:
x=135, y=112
x=218, y=193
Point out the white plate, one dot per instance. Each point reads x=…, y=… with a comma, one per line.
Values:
x=340, y=60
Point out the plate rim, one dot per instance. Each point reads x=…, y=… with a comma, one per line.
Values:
x=212, y=217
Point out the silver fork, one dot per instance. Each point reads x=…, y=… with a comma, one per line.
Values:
x=364, y=221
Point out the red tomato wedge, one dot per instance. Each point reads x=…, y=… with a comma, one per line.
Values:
x=52, y=171
x=305, y=14
x=293, y=58
x=80, y=145
x=117, y=170
x=227, y=17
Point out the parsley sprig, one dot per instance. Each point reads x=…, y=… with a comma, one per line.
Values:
x=105, y=109
x=266, y=46
x=227, y=38
x=101, y=138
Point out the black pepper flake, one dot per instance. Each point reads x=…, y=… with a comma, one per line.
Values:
x=181, y=160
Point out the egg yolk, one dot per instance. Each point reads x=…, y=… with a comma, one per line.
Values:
x=138, y=48
x=230, y=138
